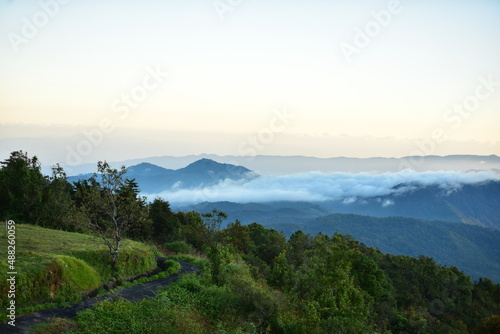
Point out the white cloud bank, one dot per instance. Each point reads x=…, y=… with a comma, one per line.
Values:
x=314, y=186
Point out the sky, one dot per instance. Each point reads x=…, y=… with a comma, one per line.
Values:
x=82, y=81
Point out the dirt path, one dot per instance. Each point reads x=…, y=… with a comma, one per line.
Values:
x=133, y=293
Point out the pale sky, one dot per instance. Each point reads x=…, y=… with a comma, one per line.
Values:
x=422, y=76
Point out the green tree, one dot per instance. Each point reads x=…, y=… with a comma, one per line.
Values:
x=325, y=278
x=191, y=228
x=299, y=243
x=111, y=206
x=282, y=275
x=214, y=249
x=238, y=236
x=141, y=229
x=21, y=188
x=166, y=224
x=59, y=211
x=267, y=243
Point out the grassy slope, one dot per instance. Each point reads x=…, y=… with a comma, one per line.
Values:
x=46, y=266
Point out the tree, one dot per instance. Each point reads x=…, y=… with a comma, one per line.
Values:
x=165, y=223
x=58, y=209
x=299, y=243
x=191, y=228
x=325, y=277
x=268, y=243
x=111, y=205
x=238, y=236
x=213, y=221
x=21, y=188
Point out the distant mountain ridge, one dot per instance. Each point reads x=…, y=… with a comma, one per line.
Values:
x=474, y=204
x=154, y=179
x=268, y=164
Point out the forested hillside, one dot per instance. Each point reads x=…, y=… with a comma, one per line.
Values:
x=254, y=279
x=473, y=249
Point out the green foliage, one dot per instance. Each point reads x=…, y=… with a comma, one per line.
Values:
x=26, y=196
x=217, y=253
x=238, y=236
x=490, y=325
x=166, y=225
x=336, y=286
x=58, y=210
x=299, y=243
x=180, y=247
x=325, y=278
x=147, y=316
x=192, y=230
x=21, y=187
x=200, y=262
x=471, y=248
x=282, y=275
x=267, y=243
x=56, y=326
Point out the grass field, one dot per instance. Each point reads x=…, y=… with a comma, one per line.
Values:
x=58, y=266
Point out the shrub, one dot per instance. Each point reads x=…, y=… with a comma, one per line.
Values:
x=56, y=326
x=147, y=316
x=180, y=247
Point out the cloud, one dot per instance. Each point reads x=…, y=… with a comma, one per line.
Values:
x=387, y=202
x=315, y=186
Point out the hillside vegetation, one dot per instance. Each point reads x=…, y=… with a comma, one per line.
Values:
x=61, y=266
x=265, y=284
x=473, y=249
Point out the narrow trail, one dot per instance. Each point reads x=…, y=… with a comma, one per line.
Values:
x=134, y=293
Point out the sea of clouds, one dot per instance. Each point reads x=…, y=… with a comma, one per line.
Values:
x=317, y=187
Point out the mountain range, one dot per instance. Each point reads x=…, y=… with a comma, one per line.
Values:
x=458, y=226
x=202, y=173
x=268, y=164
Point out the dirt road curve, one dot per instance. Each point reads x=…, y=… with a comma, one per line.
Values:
x=133, y=293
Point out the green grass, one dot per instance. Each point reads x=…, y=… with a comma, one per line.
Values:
x=200, y=262
x=78, y=273
x=58, y=266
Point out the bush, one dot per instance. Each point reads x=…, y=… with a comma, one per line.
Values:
x=147, y=316
x=180, y=247
x=56, y=326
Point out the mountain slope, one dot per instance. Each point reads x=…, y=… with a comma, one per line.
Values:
x=473, y=249
x=476, y=204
